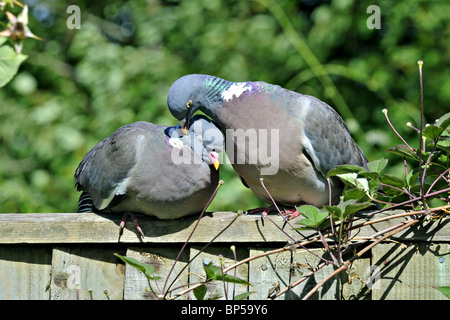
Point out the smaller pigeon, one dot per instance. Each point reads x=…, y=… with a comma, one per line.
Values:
x=151, y=169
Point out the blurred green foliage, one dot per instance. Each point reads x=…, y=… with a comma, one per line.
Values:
x=80, y=85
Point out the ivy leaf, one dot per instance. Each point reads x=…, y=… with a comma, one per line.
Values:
x=200, y=292
x=145, y=268
x=313, y=216
x=352, y=180
x=214, y=273
x=243, y=295
x=351, y=208
x=345, y=208
x=392, y=180
x=444, y=121
x=354, y=193
x=444, y=145
x=377, y=165
x=412, y=178
x=10, y=62
x=444, y=290
x=343, y=169
x=374, y=186
x=432, y=132
x=404, y=151
x=335, y=211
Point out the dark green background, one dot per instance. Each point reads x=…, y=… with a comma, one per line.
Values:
x=78, y=86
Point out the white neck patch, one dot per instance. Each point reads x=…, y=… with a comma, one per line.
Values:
x=235, y=90
x=176, y=143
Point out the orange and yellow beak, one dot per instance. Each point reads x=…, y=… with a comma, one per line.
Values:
x=214, y=156
x=185, y=126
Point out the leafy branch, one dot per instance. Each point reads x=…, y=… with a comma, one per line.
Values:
x=17, y=29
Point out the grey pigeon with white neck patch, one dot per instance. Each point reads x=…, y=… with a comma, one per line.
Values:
x=289, y=139
x=151, y=169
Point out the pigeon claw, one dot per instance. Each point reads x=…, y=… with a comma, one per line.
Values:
x=135, y=220
x=291, y=213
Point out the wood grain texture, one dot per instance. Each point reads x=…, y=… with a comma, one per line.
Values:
x=409, y=271
x=137, y=285
x=25, y=272
x=96, y=228
x=78, y=270
x=65, y=255
x=219, y=289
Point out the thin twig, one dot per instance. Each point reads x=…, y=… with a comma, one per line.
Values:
x=401, y=226
x=385, y=111
x=421, y=178
x=202, y=249
x=192, y=232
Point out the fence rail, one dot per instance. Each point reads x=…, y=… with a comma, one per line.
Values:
x=71, y=256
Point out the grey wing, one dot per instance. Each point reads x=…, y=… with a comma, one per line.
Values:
x=103, y=172
x=327, y=140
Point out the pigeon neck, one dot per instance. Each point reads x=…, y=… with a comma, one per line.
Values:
x=213, y=89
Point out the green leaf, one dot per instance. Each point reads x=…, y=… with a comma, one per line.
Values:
x=355, y=207
x=377, y=165
x=243, y=295
x=345, y=208
x=335, y=211
x=392, y=180
x=352, y=180
x=444, y=145
x=342, y=169
x=404, y=151
x=444, y=290
x=374, y=186
x=444, y=121
x=200, y=292
x=214, y=273
x=9, y=64
x=412, y=178
x=145, y=268
x=432, y=132
x=313, y=216
x=354, y=193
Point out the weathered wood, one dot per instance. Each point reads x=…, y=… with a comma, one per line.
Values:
x=64, y=255
x=218, y=289
x=269, y=274
x=95, y=228
x=25, y=272
x=78, y=270
x=275, y=272
x=356, y=282
x=137, y=285
x=405, y=272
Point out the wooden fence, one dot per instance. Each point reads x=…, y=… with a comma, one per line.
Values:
x=71, y=256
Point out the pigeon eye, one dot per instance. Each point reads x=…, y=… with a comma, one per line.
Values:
x=189, y=104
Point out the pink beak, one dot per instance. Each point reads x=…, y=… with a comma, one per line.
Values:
x=214, y=156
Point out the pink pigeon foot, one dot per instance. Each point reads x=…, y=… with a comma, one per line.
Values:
x=136, y=223
x=289, y=213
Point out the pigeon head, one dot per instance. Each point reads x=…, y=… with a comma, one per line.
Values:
x=185, y=97
x=205, y=139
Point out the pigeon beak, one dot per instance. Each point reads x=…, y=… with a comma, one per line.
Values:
x=214, y=156
x=184, y=124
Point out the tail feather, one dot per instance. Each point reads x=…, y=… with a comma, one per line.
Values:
x=85, y=203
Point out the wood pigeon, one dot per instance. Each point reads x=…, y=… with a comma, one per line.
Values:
x=151, y=169
x=289, y=139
